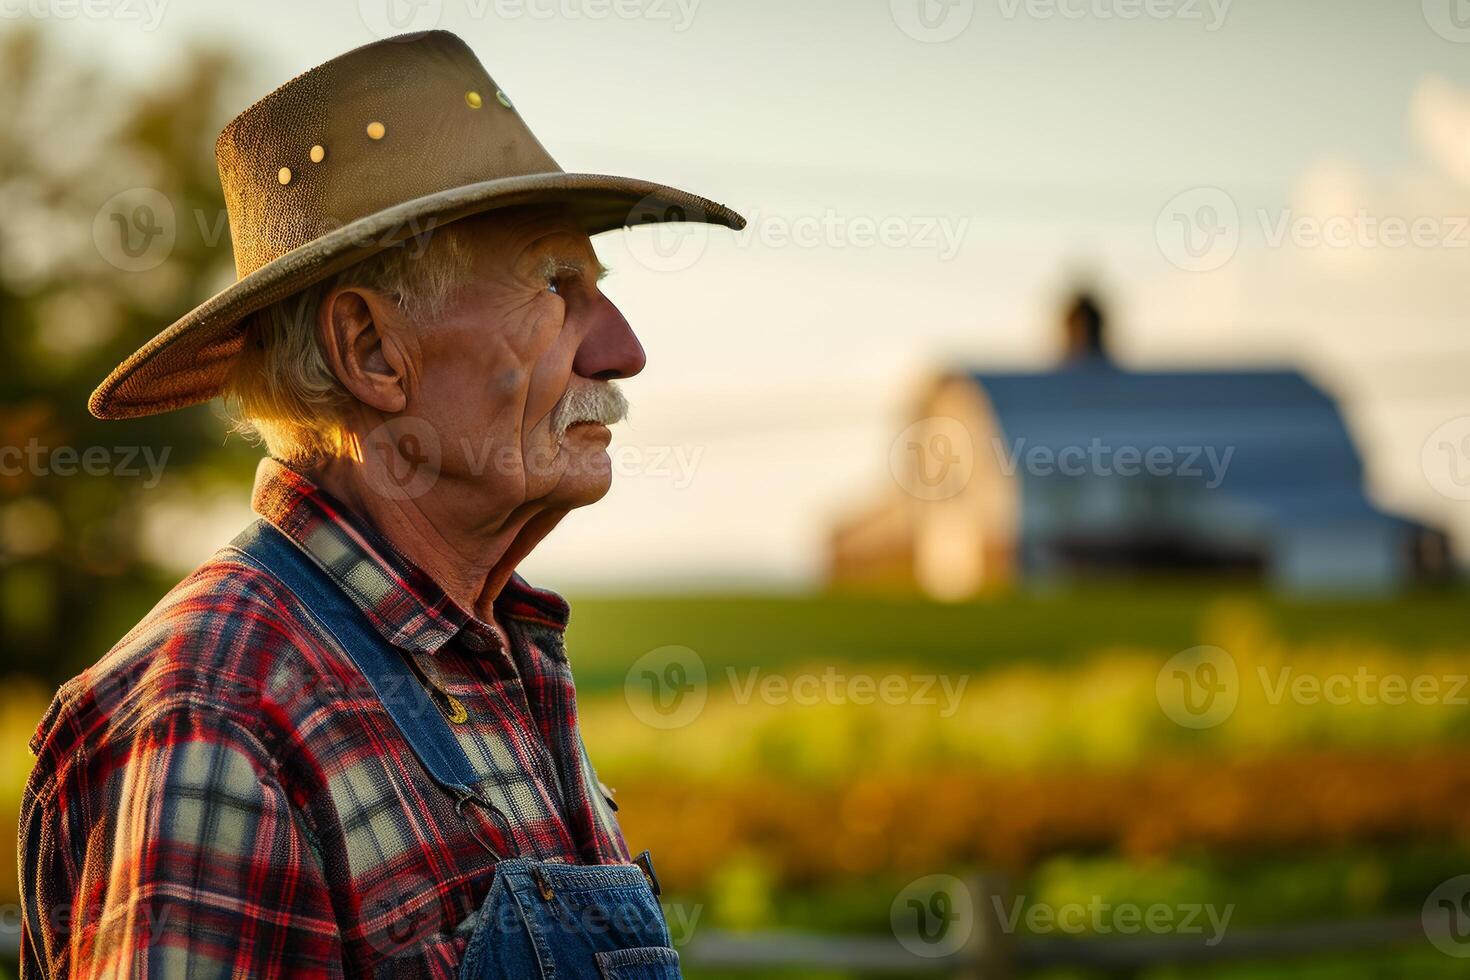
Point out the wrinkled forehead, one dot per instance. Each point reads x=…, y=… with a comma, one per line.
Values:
x=532, y=236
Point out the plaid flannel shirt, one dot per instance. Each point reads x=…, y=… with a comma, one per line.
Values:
x=224, y=794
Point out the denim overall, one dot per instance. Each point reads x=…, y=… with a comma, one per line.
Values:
x=579, y=922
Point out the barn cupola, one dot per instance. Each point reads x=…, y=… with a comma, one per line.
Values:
x=1084, y=330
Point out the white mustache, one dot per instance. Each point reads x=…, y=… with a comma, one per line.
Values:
x=600, y=401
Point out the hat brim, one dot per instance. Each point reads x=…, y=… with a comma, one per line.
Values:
x=188, y=362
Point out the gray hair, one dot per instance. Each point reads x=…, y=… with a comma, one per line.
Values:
x=281, y=390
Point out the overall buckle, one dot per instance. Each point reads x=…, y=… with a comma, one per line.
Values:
x=645, y=864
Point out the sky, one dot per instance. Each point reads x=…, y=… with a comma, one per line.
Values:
x=1009, y=148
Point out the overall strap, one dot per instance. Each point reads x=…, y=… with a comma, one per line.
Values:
x=394, y=682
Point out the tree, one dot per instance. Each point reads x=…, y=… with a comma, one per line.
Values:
x=92, y=170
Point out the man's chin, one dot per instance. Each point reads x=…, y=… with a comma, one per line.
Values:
x=582, y=489
x=588, y=474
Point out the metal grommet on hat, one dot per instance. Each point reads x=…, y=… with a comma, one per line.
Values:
x=318, y=153
x=376, y=130
x=473, y=100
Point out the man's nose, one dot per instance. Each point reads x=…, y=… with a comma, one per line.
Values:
x=610, y=349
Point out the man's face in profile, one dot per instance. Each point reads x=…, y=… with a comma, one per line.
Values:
x=513, y=377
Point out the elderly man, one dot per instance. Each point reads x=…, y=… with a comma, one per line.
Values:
x=348, y=743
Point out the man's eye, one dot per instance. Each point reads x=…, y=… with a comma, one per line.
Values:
x=553, y=285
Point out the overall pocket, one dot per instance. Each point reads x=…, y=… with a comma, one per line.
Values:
x=574, y=922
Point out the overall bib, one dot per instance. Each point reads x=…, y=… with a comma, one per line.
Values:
x=540, y=919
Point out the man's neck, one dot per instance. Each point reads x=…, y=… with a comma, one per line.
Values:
x=468, y=554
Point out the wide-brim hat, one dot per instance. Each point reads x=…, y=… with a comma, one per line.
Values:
x=379, y=145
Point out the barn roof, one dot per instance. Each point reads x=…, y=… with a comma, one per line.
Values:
x=1291, y=458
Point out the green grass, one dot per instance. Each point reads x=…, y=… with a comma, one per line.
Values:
x=607, y=634
x=1264, y=890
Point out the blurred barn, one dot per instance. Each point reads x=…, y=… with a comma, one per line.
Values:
x=1094, y=470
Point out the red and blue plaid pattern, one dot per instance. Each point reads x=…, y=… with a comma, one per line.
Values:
x=224, y=794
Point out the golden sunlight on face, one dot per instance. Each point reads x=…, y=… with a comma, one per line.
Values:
x=516, y=375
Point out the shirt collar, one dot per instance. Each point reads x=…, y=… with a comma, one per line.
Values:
x=405, y=605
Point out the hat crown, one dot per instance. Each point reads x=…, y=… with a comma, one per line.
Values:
x=372, y=129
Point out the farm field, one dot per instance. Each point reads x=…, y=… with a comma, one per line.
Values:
x=1316, y=799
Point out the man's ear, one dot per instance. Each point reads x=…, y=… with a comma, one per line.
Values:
x=362, y=352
